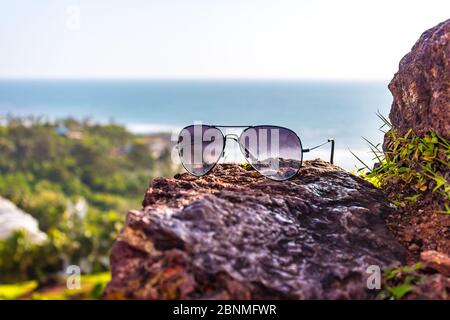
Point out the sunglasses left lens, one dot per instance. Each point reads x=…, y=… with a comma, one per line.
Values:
x=200, y=148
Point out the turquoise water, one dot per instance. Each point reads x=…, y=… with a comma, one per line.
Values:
x=315, y=110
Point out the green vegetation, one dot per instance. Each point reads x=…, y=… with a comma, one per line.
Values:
x=78, y=179
x=415, y=163
x=246, y=166
x=91, y=287
x=14, y=291
x=412, y=171
x=399, y=281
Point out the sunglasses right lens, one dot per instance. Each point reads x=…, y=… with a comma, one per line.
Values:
x=200, y=148
x=273, y=151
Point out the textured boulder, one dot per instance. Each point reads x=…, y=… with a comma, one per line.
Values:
x=234, y=234
x=434, y=281
x=421, y=101
x=436, y=260
x=421, y=87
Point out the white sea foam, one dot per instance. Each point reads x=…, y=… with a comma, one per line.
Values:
x=151, y=128
x=12, y=219
x=343, y=157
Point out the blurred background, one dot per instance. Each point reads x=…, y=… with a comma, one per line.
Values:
x=93, y=92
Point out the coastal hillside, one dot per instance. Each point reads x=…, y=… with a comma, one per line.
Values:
x=69, y=182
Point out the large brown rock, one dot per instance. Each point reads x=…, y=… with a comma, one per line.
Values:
x=234, y=234
x=421, y=87
x=436, y=260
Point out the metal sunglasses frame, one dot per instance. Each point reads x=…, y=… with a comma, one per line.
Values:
x=236, y=138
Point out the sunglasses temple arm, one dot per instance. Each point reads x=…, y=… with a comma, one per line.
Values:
x=320, y=145
x=332, y=150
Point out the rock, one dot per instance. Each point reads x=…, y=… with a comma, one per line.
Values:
x=421, y=87
x=13, y=219
x=431, y=287
x=421, y=101
x=234, y=234
x=437, y=261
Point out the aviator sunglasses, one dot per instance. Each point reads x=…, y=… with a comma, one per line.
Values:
x=275, y=152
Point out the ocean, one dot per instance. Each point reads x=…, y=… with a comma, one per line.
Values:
x=318, y=110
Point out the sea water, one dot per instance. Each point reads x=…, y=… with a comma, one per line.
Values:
x=316, y=110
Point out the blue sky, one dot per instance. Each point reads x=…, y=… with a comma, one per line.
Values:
x=242, y=39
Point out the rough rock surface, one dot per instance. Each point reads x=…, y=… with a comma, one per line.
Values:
x=421, y=101
x=436, y=260
x=421, y=87
x=234, y=234
x=432, y=287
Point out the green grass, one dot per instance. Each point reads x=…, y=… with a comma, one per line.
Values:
x=399, y=281
x=13, y=291
x=415, y=163
x=92, y=287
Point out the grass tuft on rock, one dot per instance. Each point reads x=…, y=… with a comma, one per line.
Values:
x=410, y=167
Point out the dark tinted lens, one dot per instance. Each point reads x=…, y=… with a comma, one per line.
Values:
x=200, y=147
x=275, y=152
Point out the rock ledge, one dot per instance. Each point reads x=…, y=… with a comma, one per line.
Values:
x=234, y=234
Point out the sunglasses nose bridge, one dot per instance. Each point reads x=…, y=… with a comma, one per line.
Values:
x=235, y=138
x=232, y=136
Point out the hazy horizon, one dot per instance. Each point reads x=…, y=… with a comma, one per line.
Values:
x=200, y=79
